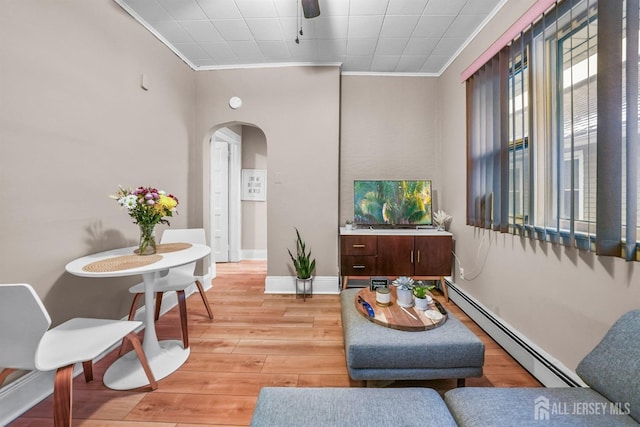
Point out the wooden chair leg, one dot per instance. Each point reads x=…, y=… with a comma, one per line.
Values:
x=132, y=315
x=62, y=396
x=205, y=300
x=87, y=368
x=182, y=306
x=158, y=305
x=135, y=342
x=5, y=373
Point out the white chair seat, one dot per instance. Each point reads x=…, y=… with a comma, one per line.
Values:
x=177, y=279
x=26, y=342
x=78, y=340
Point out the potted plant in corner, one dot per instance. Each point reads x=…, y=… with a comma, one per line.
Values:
x=404, y=291
x=420, y=292
x=304, y=266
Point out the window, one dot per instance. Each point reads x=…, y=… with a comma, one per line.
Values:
x=539, y=163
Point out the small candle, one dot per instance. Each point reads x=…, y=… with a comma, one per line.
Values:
x=383, y=296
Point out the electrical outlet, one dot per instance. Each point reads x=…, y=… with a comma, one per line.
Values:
x=462, y=273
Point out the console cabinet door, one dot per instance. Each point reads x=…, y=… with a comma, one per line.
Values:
x=395, y=256
x=433, y=255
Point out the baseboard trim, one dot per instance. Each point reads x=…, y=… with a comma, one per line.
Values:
x=25, y=392
x=548, y=370
x=327, y=285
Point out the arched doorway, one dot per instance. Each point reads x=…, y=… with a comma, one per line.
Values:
x=237, y=218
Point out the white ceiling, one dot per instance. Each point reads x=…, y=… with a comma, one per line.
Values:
x=365, y=36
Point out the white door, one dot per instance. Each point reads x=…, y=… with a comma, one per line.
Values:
x=220, y=199
x=225, y=205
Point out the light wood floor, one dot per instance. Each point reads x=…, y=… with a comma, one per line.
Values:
x=255, y=340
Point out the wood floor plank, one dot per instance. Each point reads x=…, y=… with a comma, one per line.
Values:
x=254, y=340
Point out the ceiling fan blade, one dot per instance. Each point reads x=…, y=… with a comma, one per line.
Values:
x=310, y=8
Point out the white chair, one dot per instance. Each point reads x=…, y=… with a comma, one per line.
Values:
x=178, y=279
x=27, y=343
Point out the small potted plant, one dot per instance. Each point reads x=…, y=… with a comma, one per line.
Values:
x=303, y=264
x=421, y=294
x=404, y=291
x=349, y=224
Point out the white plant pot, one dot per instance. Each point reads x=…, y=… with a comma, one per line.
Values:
x=405, y=297
x=304, y=287
x=421, y=303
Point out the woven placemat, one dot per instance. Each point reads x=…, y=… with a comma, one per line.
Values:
x=123, y=262
x=164, y=248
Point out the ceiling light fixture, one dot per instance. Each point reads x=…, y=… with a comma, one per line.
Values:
x=311, y=8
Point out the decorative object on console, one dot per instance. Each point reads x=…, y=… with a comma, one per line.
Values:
x=349, y=224
x=148, y=206
x=392, y=202
x=304, y=266
x=404, y=291
x=442, y=219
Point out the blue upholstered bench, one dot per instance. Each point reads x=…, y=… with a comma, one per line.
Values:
x=350, y=407
x=374, y=352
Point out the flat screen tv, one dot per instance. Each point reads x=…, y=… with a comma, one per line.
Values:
x=392, y=202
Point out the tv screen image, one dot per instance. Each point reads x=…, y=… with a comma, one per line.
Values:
x=392, y=202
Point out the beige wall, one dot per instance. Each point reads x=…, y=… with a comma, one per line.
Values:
x=562, y=299
x=389, y=130
x=74, y=124
x=297, y=109
x=254, y=213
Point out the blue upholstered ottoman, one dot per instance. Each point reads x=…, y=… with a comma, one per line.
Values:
x=375, y=352
x=350, y=407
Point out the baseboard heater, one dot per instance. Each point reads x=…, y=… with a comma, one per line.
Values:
x=542, y=366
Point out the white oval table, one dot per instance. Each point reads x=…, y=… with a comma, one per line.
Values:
x=166, y=356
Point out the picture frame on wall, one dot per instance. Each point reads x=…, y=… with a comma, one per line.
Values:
x=254, y=185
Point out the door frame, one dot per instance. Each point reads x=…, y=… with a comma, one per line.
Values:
x=234, y=142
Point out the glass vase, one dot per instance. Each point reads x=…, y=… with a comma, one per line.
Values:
x=147, y=244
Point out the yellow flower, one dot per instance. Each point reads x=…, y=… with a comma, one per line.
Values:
x=165, y=204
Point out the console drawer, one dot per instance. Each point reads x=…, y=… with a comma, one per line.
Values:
x=356, y=265
x=358, y=245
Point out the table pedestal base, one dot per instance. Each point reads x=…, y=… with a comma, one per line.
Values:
x=126, y=373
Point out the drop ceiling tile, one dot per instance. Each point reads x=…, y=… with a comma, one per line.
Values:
x=192, y=51
x=384, y=63
x=220, y=9
x=435, y=63
x=303, y=51
x=274, y=50
x=149, y=10
x=368, y=7
x=410, y=63
x=432, y=26
x=183, y=9
x=390, y=46
x=220, y=52
x=365, y=27
x=247, y=50
x=406, y=7
x=420, y=46
x=334, y=7
x=265, y=29
x=398, y=26
x=479, y=7
x=335, y=27
x=444, y=7
x=357, y=63
x=337, y=48
x=173, y=32
x=447, y=45
x=202, y=31
x=286, y=8
x=463, y=26
x=256, y=8
x=361, y=47
x=233, y=30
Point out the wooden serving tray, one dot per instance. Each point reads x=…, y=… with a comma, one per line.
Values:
x=393, y=316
